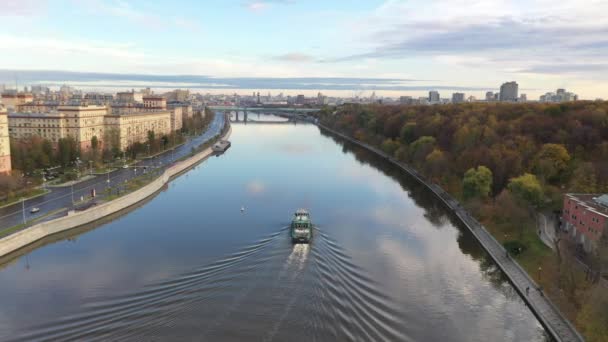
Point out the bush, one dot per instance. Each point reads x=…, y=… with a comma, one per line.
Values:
x=69, y=176
x=514, y=247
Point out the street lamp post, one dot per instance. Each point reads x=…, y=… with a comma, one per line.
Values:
x=23, y=209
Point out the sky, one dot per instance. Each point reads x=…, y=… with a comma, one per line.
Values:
x=467, y=45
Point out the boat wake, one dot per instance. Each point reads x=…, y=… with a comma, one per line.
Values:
x=269, y=289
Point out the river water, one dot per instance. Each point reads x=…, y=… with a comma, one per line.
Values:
x=387, y=261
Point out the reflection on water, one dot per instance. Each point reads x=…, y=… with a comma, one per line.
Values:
x=386, y=263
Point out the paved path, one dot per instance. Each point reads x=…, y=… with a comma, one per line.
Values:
x=546, y=230
x=547, y=313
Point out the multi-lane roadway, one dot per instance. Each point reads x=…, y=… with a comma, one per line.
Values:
x=64, y=197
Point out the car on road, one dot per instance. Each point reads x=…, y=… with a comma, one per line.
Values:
x=125, y=166
x=34, y=210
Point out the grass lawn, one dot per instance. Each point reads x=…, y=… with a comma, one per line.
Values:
x=27, y=195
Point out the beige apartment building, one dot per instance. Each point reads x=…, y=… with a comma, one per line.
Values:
x=37, y=106
x=129, y=96
x=155, y=103
x=176, y=118
x=85, y=122
x=5, y=147
x=134, y=127
x=50, y=126
x=80, y=122
x=12, y=100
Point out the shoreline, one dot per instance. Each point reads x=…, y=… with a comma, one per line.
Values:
x=19, y=240
x=549, y=316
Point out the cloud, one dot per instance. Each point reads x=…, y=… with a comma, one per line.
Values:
x=295, y=57
x=566, y=68
x=22, y=8
x=498, y=34
x=139, y=16
x=50, y=46
x=257, y=6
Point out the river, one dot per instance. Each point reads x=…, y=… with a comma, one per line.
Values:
x=387, y=261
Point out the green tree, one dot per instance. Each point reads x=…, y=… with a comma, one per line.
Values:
x=551, y=161
x=47, y=150
x=527, y=189
x=112, y=143
x=420, y=148
x=477, y=183
x=584, y=179
x=67, y=151
x=94, y=143
x=389, y=146
x=436, y=163
x=408, y=132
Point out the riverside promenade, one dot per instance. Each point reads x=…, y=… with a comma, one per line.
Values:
x=28, y=236
x=545, y=311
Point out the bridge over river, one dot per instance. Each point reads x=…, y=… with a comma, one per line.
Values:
x=242, y=114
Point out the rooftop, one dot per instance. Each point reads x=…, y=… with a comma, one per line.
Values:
x=594, y=202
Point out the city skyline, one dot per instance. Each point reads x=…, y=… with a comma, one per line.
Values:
x=473, y=48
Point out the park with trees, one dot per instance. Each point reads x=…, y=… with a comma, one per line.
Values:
x=507, y=163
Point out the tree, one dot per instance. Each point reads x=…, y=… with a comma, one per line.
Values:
x=389, y=146
x=551, y=161
x=112, y=142
x=47, y=150
x=420, y=148
x=67, y=151
x=94, y=143
x=408, y=133
x=527, y=189
x=436, y=163
x=477, y=183
x=583, y=179
x=593, y=316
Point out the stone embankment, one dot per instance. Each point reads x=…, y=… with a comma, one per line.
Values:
x=545, y=311
x=39, y=231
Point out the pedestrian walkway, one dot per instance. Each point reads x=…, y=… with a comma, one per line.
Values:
x=546, y=230
x=546, y=312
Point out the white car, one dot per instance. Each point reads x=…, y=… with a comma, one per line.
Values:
x=125, y=166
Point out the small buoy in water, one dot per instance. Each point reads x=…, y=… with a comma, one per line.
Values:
x=242, y=209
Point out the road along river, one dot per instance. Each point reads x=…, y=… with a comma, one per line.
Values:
x=387, y=261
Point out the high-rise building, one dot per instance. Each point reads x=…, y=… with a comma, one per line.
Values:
x=490, y=96
x=321, y=99
x=509, y=92
x=300, y=99
x=406, y=100
x=560, y=96
x=457, y=97
x=5, y=147
x=434, y=96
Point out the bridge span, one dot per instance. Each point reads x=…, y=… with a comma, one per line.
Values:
x=264, y=109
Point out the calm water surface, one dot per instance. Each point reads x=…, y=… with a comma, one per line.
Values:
x=387, y=261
